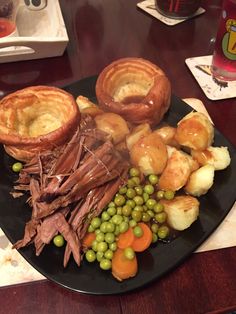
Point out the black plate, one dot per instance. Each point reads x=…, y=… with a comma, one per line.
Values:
x=157, y=260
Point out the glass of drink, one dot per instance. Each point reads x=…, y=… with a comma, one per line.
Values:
x=224, y=56
x=8, y=11
x=178, y=9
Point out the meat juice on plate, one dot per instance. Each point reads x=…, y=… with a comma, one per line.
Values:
x=224, y=57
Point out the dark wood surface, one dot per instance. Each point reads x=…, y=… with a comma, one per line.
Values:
x=101, y=31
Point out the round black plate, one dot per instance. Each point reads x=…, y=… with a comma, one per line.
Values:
x=157, y=260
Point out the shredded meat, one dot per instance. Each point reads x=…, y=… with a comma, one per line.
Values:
x=68, y=187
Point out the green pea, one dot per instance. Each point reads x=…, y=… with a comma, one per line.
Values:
x=160, y=194
x=126, y=219
x=17, y=166
x=123, y=190
x=95, y=246
x=108, y=254
x=113, y=246
x=145, y=197
x=129, y=253
x=111, y=204
x=149, y=189
x=90, y=256
x=130, y=193
x=124, y=226
x=99, y=256
x=119, y=210
x=138, y=231
x=154, y=238
x=111, y=211
x=134, y=172
x=153, y=179
x=109, y=237
x=146, y=217
x=138, y=200
x=131, y=183
x=138, y=208
x=126, y=210
x=163, y=232
x=150, y=213
x=102, y=246
x=90, y=228
x=117, y=219
x=161, y=217
x=138, y=190
x=119, y=200
x=169, y=195
x=117, y=230
x=145, y=208
x=151, y=203
x=58, y=240
x=105, y=264
x=154, y=228
x=103, y=227
x=100, y=237
x=110, y=227
x=136, y=215
x=96, y=222
x=136, y=180
x=158, y=208
x=132, y=223
x=130, y=203
x=97, y=231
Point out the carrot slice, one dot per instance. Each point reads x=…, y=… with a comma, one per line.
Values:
x=125, y=239
x=88, y=239
x=142, y=243
x=123, y=268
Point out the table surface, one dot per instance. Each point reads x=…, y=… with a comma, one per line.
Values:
x=101, y=31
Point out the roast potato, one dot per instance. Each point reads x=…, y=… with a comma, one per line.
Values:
x=167, y=133
x=195, y=131
x=112, y=124
x=149, y=154
x=181, y=212
x=200, y=181
x=137, y=133
x=218, y=157
x=87, y=107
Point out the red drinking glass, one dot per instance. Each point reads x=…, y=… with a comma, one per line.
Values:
x=178, y=8
x=224, y=56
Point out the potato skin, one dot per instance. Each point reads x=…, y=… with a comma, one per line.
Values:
x=182, y=211
x=149, y=154
x=195, y=131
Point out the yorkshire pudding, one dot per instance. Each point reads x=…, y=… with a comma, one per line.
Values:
x=36, y=118
x=134, y=88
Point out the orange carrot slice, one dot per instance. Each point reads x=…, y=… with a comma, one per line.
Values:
x=123, y=268
x=88, y=239
x=142, y=243
x=125, y=239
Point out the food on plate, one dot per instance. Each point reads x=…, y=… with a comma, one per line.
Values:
x=177, y=171
x=216, y=156
x=86, y=106
x=195, y=131
x=137, y=133
x=36, y=118
x=134, y=88
x=149, y=154
x=103, y=182
x=181, y=211
x=200, y=181
x=167, y=133
x=123, y=267
x=112, y=124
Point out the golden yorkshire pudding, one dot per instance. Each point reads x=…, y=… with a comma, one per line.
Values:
x=36, y=118
x=134, y=88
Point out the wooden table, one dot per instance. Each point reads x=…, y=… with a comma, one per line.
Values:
x=101, y=31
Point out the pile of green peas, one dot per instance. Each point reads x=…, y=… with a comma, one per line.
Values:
x=135, y=202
